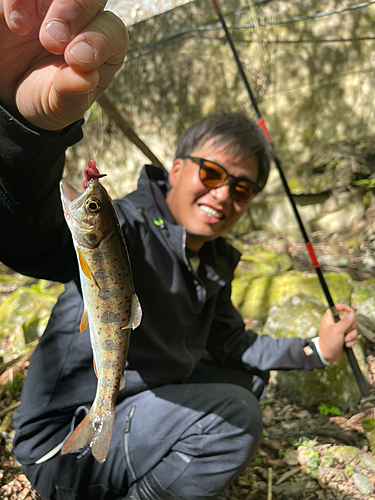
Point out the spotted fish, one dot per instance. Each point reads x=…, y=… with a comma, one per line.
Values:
x=112, y=308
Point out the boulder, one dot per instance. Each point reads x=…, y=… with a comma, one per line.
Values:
x=273, y=290
x=338, y=219
x=335, y=385
x=365, y=317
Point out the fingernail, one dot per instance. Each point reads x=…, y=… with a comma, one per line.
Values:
x=20, y=16
x=58, y=31
x=83, y=52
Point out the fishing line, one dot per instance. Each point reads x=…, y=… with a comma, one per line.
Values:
x=362, y=384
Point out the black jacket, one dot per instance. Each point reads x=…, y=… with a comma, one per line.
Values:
x=184, y=313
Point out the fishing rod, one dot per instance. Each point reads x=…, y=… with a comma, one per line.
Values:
x=362, y=384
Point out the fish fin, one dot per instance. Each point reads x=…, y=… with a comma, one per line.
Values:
x=95, y=370
x=136, y=312
x=93, y=431
x=122, y=383
x=84, y=321
x=102, y=440
x=86, y=268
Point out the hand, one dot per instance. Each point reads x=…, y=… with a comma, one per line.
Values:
x=57, y=57
x=333, y=336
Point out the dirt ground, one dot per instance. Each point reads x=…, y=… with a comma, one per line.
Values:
x=276, y=472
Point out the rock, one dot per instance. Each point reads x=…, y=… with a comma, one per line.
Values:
x=265, y=261
x=363, y=483
x=365, y=317
x=345, y=454
x=339, y=219
x=367, y=461
x=362, y=290
x=297, y=317
x=274, y=290
x=334, y=385
x=368, y=425
x=255, y=262
x=289, y=491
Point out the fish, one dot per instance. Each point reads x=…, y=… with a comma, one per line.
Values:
x=111, y=306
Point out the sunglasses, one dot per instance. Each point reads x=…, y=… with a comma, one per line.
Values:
x=213, y=175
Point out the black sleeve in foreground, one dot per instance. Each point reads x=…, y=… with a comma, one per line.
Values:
x=35, y=238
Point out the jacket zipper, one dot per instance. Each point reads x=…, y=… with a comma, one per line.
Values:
x=128, y=422
x=187, y=263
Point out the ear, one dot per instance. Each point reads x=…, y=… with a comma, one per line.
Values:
x=175, y=172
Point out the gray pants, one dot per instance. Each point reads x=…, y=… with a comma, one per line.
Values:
x=195, y=438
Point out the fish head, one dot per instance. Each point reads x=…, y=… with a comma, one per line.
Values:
x=89, y=215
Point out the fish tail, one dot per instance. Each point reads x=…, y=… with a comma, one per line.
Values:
x=94, y=431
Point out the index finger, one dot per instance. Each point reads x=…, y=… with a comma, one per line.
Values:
x=344, y=307
x=64, y=20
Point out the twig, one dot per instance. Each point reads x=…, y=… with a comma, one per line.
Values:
x=288, y=474
x=10, y=408
x=16, y=366
x=269, y=488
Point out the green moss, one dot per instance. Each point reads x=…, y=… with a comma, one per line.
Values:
x=267, y=291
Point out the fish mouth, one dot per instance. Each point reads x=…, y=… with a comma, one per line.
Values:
x=71, y=201
x=68, y=192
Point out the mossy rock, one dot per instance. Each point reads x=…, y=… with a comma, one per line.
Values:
x=268, y=291
x=368, y=425
x=24, y=315
x=265, y=261
x=362, y=290
x=334, y=385
x=298, y=317
x=365, y=318
x=338, y=219
x=255, y=262
x=240, y=284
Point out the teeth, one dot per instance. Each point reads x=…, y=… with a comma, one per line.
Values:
x=211, y=212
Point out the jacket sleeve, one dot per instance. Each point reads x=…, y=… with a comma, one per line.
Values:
x=35, y=238
x=231, y=344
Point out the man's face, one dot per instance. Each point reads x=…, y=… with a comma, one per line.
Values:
x=207, y=213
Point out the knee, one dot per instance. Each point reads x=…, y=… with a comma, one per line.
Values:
x=244, y=417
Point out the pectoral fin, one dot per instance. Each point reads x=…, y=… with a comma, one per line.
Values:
x=136, y=312
x=95, y=370
x=84, y=322
x=86, y=268
x=122, y=383
x=135, y=315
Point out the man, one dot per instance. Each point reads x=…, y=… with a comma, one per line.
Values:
x=185, y=424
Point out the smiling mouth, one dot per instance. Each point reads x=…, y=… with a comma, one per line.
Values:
x=211, y=212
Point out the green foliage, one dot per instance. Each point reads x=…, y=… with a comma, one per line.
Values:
x=349, y=470
x=329, y=410
x=17, y=382
x=370, y=183
x=40, y=286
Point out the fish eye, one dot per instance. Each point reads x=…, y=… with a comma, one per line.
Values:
x=93, y=205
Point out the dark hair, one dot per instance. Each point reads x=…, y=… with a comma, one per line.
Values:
x=240, y=135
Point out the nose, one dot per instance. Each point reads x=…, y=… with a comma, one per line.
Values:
x=222, y=193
